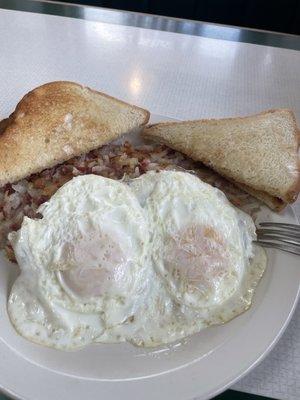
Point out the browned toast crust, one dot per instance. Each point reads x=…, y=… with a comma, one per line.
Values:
x=58, y=121
x=157, y=131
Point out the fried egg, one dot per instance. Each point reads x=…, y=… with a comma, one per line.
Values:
x=148, y=261
x=201, y=244
x=83, y=265
x=202, y=251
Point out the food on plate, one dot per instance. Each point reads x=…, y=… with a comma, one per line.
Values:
x=148, y=260
x=58, y=121
x=43, y=117
x=259, y=153
x=23, y=198
x=83, y=264
x=129, y=255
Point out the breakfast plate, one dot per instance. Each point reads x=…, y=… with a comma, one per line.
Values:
x=199, y=367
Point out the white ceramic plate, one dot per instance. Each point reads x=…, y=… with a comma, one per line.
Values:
x=202, y=367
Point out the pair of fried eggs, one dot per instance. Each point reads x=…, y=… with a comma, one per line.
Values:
x=148, y=261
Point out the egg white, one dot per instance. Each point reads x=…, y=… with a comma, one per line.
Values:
x=210, y=280
x=200, y=243
x=149, y=261
x=161, y=320
x=86, y=257
x=168, y=310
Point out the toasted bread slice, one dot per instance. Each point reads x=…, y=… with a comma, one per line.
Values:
x=259, y=151
x=58, y=121
x=3, y=125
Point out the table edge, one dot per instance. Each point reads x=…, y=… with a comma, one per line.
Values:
x=156, y=22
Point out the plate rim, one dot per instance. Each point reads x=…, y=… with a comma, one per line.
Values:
x=11, y=392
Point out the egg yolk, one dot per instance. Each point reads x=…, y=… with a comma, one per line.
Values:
x=97, y=266
x=197, y=256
